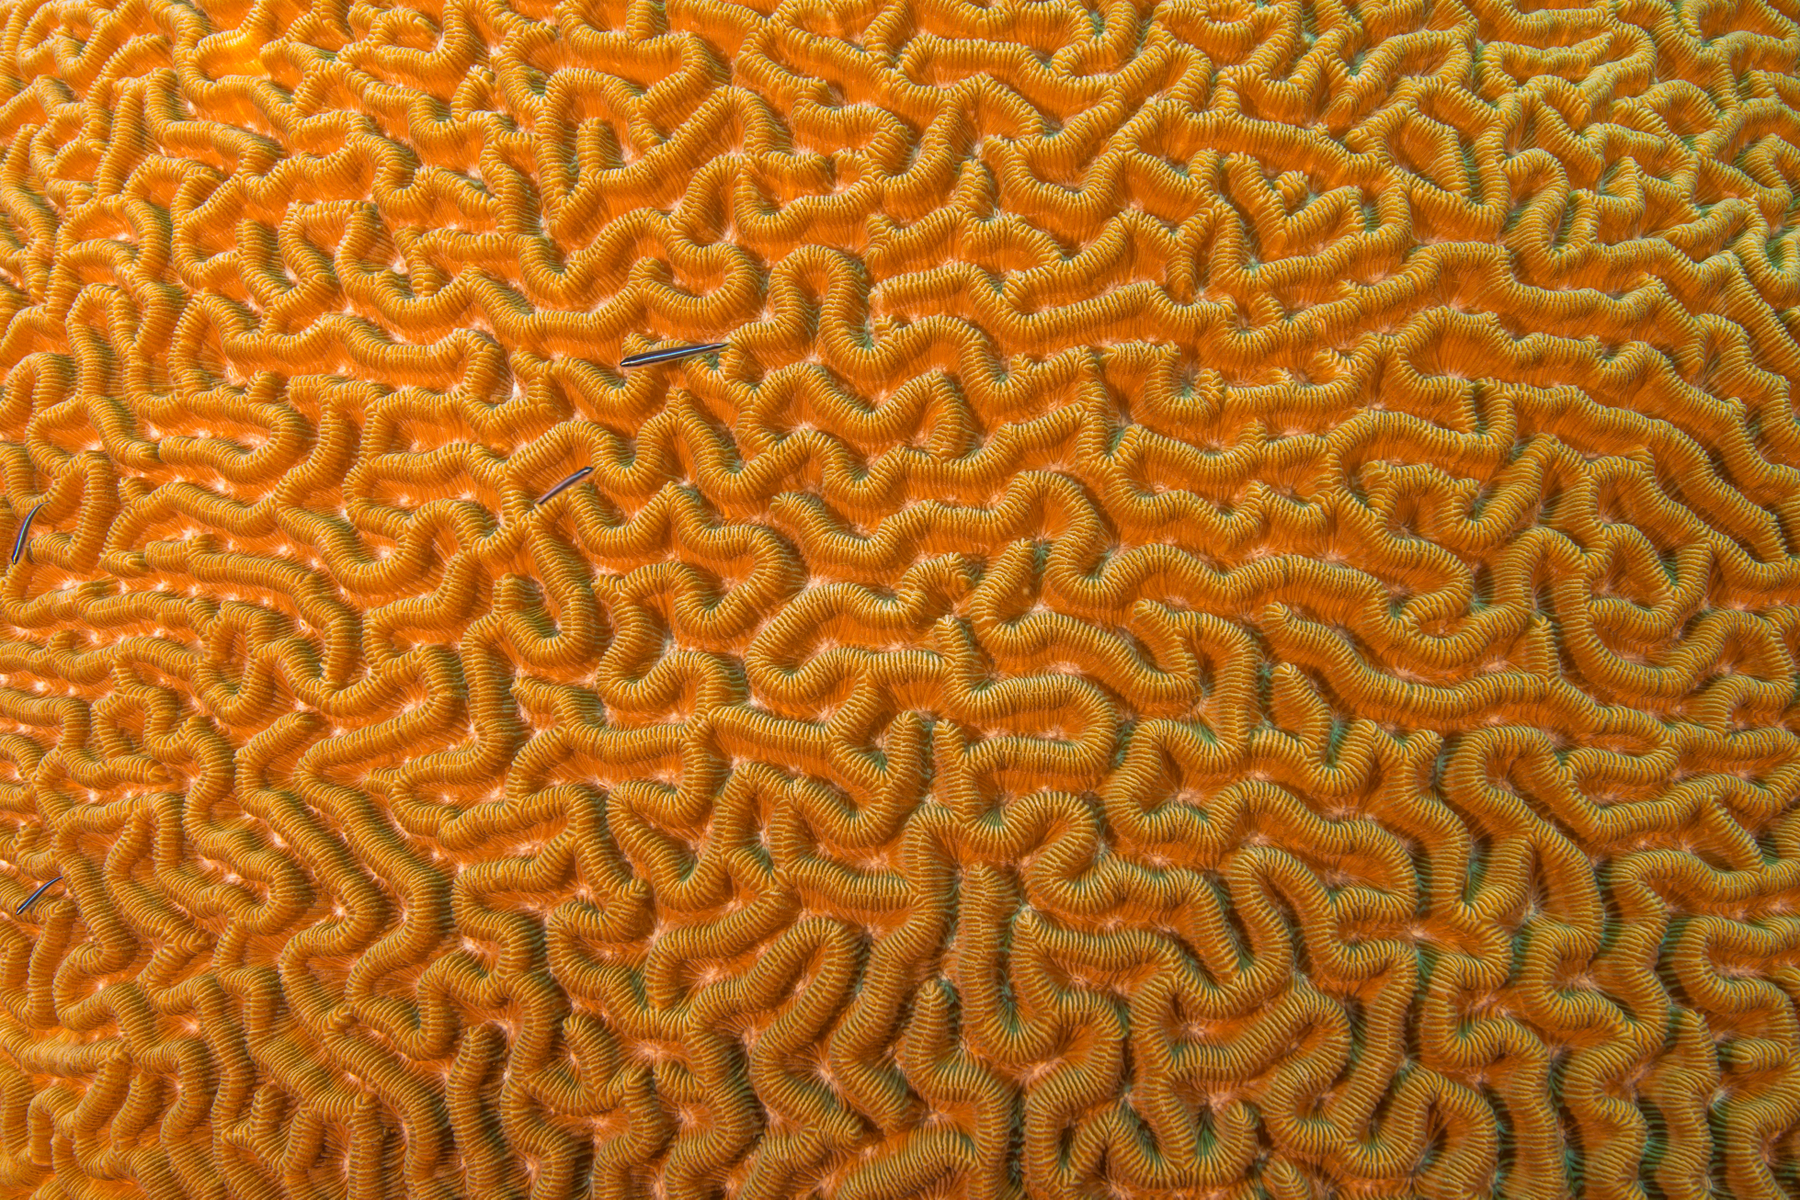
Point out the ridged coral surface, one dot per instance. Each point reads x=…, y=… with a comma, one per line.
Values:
x=1224, y=626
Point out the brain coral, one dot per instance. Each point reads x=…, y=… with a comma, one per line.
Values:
x=1224, y=624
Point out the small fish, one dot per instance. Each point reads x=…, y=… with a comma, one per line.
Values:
x=32, y=899
x=565, y=485
x=24, y=532
x=669, y=354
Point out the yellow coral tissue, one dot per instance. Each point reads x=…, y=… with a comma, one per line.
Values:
x=899, y=600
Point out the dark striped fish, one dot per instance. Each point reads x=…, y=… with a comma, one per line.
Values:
x=669, y=354
x=565, y=485
x=32, y=899
x=24, y=532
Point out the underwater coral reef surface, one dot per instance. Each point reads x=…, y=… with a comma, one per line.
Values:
x=899, y=600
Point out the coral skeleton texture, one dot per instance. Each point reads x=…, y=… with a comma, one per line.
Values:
x=1223, y=623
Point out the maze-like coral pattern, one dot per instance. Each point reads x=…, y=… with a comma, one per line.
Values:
x=1226, y=625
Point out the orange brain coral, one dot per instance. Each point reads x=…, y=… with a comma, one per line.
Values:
x=1225, y=625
